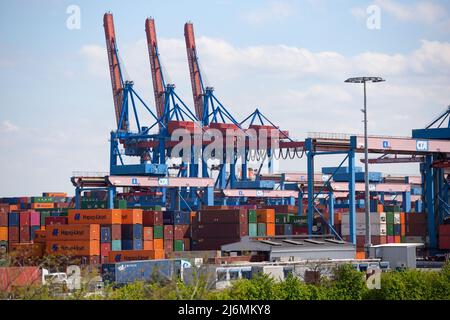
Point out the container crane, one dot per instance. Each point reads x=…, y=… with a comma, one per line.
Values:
x=114, y=68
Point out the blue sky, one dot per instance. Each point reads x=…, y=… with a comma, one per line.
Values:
x=288, y=57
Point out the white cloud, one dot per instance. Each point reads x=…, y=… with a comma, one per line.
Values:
x=271, y=11
x=97, y=60
x=427, y=12
x=7, y=127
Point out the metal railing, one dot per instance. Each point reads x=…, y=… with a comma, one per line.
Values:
x=90, y=174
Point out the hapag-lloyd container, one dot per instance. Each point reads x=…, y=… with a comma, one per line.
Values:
x=129, y=255
x=131, y=216
x=73, y=248
x=95, y=216
x=73, y=232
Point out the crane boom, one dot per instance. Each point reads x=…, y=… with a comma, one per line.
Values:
x=194, y=70
x=114, y=68
x=157, y=77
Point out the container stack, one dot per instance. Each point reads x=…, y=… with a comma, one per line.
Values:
x=177, y=226
x=74, y=240
x=266, y=222
x=213, y=228
x=395, y=224
x=132, y=231
x=153, y=223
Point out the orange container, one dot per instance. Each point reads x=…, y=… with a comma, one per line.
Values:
x=129, y=255
x=13, y=207
x=360, y=255
x=265, y=215
x=73, y=232
x=380, y=208
x=187, y=244
x=148, y=245
x=3, y=233
x=193, y=215
x=39, y=236
x=73, y=248
x=157, y=254
x=55, y=194
x=131, y=216
x=270, y=229
x=27, y=250
x=158, y=244
x=397, y=239
x=403, y=230
x=148, y=233
x=402, y=218
x=95, y=216
x=37, y=205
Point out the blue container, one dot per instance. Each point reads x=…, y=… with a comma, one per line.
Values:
x=397, y=229
x=146, y=270
x=33, y=230
x=359, y=177
x=105, y=234
x=116, y=245
x=13, y=219
x=132, y=231
x=137, y=244
x=127, y=244
x=176, y=217
x=288, y=229
x=24, y=206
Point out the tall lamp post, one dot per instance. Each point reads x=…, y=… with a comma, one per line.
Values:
x=363, y=80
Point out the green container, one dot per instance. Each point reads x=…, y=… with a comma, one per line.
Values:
x=120, y=204
x=252, y=229
x=261, y=230
x=390, y=217
x=403, y=239
x=158, y=232
x=392, y=209
x=294, y=219
x=94, y=205
x=116, y=245
x=178, y=245
x=42, y=199
x=251, y=216
x=390, y=229
x=281, y=218
x=44, y=214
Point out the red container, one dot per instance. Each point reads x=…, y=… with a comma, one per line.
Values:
x=168, y=232
x=378, y=240
x=222, y=216
x=219, y=231
x=279, y=229
x=116, y=232
x=35, y=218
x=24, y=234
x=3, y=218
x=444, y=230
x=181, y=231
x=24, y=218
x=168, y=245
x=211, y=244
x=152, y=218
x=444, y=242
x=11, y=277
x=297, y=230
x=55, y=221
x=13, y=234
x=105, y=248
x=390, y=239
x=148, y=234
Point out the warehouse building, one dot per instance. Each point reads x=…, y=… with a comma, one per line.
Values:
x=292, y=249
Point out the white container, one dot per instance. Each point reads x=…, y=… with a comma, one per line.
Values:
x=375, y=229
x=375, y=217
x=396, y=217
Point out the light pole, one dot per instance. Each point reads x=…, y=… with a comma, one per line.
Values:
x=363, y=80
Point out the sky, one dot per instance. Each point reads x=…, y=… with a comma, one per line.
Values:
x=288, y=58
